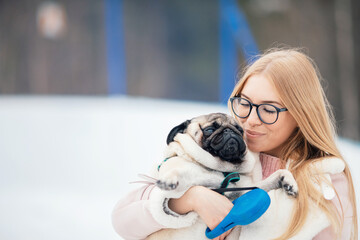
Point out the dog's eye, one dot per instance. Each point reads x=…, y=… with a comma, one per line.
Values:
x=208, y=131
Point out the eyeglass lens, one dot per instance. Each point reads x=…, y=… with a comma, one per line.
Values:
x=266, y=112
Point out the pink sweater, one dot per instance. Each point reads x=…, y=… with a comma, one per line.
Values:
x=132, y=219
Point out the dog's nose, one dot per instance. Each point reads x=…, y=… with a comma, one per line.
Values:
x=233, y=150
x=232, y=146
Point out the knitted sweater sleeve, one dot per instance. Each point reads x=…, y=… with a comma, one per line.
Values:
x=131, y=217
x=341, y=186
x=145, y=211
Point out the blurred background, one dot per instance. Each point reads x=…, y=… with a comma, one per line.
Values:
x=173, y=49
x=81, y=81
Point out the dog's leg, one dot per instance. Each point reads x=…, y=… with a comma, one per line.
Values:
x=170, y=173
x=280, y=179
x=177, y=174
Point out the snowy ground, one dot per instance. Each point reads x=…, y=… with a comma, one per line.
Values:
x=65, y=161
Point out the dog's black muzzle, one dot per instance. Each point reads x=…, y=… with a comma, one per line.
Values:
x=228, y=145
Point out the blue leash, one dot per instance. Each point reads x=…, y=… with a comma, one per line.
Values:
x=247, y=208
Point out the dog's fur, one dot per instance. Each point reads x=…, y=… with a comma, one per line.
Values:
x=198, y=152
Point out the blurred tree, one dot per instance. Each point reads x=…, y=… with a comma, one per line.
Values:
x=31, y=63
x=355, y=14
x=348, y=90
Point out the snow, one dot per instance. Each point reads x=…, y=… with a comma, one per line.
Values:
x=66, y=161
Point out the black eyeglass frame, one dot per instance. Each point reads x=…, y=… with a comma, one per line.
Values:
x=278, y=110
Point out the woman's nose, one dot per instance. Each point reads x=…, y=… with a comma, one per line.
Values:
x=253, y=119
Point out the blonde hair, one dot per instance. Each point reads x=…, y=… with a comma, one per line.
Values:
x=297, y=81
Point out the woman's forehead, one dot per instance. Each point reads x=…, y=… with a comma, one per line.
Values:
x=259, y=89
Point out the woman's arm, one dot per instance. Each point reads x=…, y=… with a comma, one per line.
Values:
x=212, y=207
x=341, y=186
x=131, y=217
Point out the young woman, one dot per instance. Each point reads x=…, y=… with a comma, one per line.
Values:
x=286, y=117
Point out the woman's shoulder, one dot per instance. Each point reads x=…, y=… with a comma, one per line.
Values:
x=330, y=165
x=342, y=201
x=325, y=172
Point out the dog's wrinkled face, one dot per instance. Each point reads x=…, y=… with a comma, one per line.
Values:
x=217, y=133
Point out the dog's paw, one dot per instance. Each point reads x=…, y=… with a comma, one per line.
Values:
x=288, y=183
x=168, y=184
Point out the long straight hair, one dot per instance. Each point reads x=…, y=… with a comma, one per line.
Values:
x=297, y=81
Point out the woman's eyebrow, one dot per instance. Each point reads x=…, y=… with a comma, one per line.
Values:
x=263, y=101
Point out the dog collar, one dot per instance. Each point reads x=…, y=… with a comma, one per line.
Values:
x=229, y=177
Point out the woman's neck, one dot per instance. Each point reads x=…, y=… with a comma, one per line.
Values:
x=269, y=164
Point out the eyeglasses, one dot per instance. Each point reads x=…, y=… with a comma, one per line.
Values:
x=267, y=113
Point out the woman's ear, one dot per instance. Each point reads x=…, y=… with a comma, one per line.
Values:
x=178, y=129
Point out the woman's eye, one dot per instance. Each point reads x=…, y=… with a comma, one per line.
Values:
x=267, y=109
x=270, y=110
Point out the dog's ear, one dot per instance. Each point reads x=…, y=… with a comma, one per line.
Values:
x=178, y=129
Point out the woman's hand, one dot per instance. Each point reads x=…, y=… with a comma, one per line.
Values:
x=211, y=206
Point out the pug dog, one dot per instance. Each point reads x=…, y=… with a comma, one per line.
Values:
x=201, y=151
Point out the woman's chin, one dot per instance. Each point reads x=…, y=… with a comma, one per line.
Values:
x=254, y=148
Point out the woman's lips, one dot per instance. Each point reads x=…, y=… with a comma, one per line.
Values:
x=253, y=134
